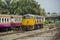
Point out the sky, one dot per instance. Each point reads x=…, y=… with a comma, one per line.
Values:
x=50, y=5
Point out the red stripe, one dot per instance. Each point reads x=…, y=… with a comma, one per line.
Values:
x=16, y=24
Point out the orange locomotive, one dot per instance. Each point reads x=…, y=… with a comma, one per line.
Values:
x=30, y=22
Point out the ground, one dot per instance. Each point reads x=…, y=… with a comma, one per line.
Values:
x=44, y=36
x=31, y=35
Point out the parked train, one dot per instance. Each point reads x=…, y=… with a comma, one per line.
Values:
x=10, y=21
x=25, y=22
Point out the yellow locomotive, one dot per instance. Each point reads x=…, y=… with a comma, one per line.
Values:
x=30, y=22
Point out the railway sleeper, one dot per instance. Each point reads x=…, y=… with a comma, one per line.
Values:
x=27, y=28
x=5, y=29
x=37, y=26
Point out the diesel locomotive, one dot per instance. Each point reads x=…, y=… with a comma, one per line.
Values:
x=30, y=22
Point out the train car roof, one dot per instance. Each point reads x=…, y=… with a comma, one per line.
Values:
x=5, y=15
x=38, y=16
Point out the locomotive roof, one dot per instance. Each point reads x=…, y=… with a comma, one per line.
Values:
x=28, y=15
x=33, y=15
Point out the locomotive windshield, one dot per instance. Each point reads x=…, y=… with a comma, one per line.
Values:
x=27, y=17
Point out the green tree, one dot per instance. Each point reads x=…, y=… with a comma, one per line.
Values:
x=8, y=7
x=21, y=7
x=43, y=13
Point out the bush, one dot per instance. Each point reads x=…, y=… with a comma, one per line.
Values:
x=46, y=22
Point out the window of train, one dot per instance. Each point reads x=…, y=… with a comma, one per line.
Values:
x=6, y=19
x=20, y=19
x=12, y=20
x=17, y=19
x=2, y=19
x=38, y=19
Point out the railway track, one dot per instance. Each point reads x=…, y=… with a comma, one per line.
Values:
x=18, y=34
x=10, y=32
x=25, y=34
x=19, y=31
x=14, y=32
x=37, y=34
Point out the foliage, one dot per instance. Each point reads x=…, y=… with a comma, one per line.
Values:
x=46, y=22
x=21, y=7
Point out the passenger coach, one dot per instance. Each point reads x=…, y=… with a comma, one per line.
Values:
x=10, y=21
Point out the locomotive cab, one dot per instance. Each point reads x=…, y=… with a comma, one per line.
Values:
x=28, y=22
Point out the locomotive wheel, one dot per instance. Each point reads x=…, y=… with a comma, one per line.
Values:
x=27, y=28
x=1, y=29
x=18, y=28
x=36, y=26
x=30, y=28
x=7, y=29
x=4, y=29
x=41, y=25
x=23, y=28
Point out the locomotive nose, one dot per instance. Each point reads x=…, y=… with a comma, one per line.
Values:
x=27, y=22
